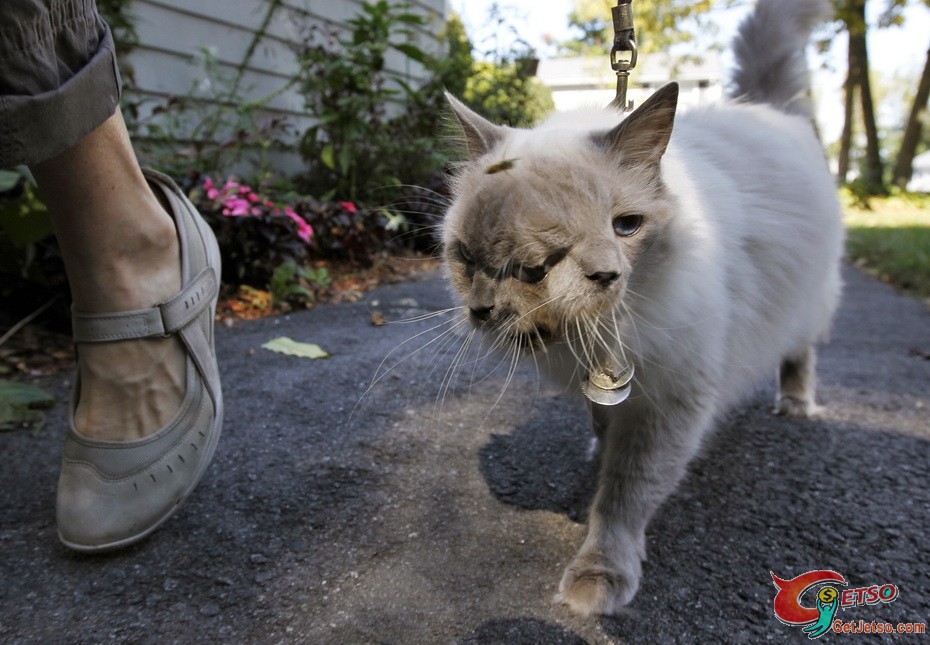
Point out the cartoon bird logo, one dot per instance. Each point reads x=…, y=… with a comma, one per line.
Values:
x=815, y=621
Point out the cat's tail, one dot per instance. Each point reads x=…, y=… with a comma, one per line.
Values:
x=771, y=65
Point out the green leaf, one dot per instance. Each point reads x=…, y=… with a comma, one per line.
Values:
x=24, y=394
x=327, y=157
x=8, y=180
x=345, y=160
x=20, y=404
x=25, y=220
x=285, y=345
x=410, y=18
x=411, y=51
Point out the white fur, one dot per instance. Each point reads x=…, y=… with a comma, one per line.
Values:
x=735, y=273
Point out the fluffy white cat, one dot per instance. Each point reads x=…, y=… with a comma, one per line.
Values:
x=705, y=255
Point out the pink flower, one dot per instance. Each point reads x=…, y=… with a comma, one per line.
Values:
x=304, y=230
x=349, y=206
x=210, y=188
x=254, y=198
x=236, y=206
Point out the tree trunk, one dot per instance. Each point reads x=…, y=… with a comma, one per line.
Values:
x=904, y=166
x=849, y=89
x=857, y=42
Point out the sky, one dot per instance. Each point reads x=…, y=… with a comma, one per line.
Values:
x=896, y=51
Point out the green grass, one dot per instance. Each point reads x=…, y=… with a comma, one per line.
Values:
x=892, y=240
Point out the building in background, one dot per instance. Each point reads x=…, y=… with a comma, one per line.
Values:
x=589, y=81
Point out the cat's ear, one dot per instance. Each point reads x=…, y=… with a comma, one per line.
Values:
x=480, y=134
x=641, y=139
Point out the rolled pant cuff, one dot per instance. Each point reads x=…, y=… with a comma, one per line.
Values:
x=36, y=128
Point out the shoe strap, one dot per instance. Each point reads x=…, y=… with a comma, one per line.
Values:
x=163, y=319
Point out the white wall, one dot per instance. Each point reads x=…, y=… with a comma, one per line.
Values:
x=171, y=32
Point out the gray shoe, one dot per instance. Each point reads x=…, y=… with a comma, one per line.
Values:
x=112, y=493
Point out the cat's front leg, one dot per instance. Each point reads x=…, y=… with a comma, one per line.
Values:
x=644, y=453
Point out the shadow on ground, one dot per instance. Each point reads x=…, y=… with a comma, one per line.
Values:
x=768, y=494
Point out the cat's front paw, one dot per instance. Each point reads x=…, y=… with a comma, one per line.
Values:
x=593, y=586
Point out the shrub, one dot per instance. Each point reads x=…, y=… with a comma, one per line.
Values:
x=505, y=94
x=356, y=146
x=258, y=232
x=255, y=233
x=31, y=270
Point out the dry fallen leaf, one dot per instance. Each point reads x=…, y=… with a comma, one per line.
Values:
x=290, y=347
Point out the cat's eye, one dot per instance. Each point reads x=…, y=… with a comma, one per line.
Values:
x=627, y=225
x=534, y=274
x=529, y=275
x=466, y=255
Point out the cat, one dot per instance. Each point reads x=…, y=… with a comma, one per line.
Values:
x=702, y=248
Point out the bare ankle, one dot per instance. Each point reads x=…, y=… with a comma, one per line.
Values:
x=137, y=270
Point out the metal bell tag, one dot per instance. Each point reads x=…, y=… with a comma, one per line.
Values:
x=608, y=385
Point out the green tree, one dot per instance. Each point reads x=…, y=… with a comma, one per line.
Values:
x=659, y=24
x=504, y=88
x=506, y=94
x=914, y=127
x=852, y=16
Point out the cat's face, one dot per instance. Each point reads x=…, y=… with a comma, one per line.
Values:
x=549, y=227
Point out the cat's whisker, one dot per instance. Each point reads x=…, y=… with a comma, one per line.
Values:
x=514, y=354
x=569, y=343
x=427, y=316
x=440, y=350
x=453, y=321
x=379, y=375
x=450, y=376
x=589, y=361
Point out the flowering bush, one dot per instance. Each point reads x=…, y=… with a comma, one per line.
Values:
x=258, y=233
x=237, y=200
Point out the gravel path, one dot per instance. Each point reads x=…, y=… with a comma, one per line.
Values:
x=431, y=518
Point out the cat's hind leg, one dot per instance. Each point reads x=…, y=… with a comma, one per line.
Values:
x=797, y=385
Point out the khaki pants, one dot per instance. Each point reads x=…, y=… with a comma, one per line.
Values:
x=58, y=77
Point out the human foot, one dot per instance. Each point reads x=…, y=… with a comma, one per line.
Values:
x=121, y=252
x=130, y=389
x=112, y=494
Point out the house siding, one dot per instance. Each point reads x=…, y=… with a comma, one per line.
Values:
x=173, y=34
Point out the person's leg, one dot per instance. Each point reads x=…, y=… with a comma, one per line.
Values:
x=59, y=95
x=144, y=270
x=120, y=250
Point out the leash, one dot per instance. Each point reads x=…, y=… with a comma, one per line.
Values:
x=611, y=383
x=623, y=54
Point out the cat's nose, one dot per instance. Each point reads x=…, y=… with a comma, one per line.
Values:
x=603, y=278
x=481, y=313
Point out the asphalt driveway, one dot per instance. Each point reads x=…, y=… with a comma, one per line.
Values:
x=419, y=512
